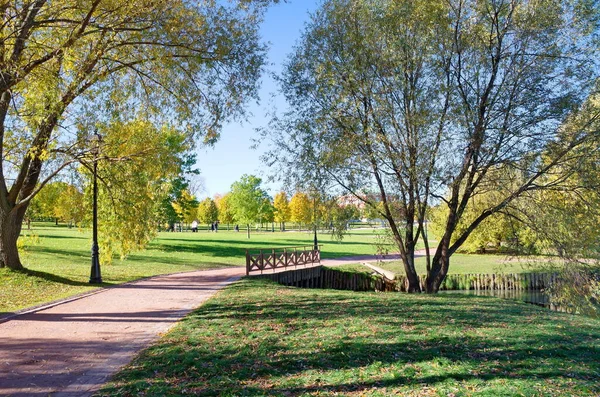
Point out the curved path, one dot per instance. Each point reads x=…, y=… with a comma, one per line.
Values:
x=71, y=348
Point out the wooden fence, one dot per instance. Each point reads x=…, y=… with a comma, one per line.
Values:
x=259, y=260
x=322, y=277
x=501, y=281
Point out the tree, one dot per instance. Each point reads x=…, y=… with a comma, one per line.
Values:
x=338, y=216
x=226, y=213
x=300, y=208
x=70, y=206
x=133, y=189
x=248, y=200
x=282, y=209
x=69, y=65
x=177, y=200
x=46, y=202
x=500, y=229
x=185, y=206
x=208, y=212
x=426, y=101
x=266, y=213
x=59, y=201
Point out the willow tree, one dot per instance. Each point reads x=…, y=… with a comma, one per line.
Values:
x=424, y=101
x=68, y=66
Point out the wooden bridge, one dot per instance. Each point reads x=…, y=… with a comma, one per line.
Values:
x=281, y=259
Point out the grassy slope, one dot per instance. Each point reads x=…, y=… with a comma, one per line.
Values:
x=258, y=338
x=58, y=259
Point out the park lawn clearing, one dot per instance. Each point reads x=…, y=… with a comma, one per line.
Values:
x=260, y=338
x=475, y=264
x=58, y=259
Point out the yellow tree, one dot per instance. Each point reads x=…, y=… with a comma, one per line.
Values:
x=282, y=209
x=66, y=65
x=131, y=190
x=226, y=213
x=186, y=207
x=45, y=202
x=301, y=209
x=70, y=206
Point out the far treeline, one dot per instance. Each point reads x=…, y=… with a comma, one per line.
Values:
x=247, y=204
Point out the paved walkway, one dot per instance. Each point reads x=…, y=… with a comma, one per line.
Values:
x=72, y=348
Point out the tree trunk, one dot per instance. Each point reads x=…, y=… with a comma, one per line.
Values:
x=10, y=229
x=414, y=284
x=438, y=272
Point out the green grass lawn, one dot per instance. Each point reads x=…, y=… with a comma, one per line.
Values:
x=58, y=259
x=471, y=263
x=258, y=338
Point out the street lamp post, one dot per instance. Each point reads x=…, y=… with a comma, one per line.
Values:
x=95, y=275
x=315, y=242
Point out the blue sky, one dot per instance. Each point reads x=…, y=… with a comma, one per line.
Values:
x=231, y=157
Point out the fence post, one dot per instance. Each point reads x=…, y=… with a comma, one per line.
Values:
x=295, y=257
x=247, y=264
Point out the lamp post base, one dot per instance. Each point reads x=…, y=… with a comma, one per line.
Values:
x=95, y=276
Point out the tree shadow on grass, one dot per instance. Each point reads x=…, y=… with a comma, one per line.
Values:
x=73, y=254
x=273, y=340
x=52, y=277
x=62, y=237
x=188, y=263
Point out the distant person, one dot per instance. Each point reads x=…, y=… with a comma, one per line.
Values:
x=216, y=226
x=194, y=226
x=212, y=227
x=237, y=228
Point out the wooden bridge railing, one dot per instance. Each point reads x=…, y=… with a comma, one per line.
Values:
x=281, y=258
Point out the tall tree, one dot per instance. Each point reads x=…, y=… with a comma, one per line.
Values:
x=226, y=213
x=185, y=206
x=208, y=212
x=266, y=212
x=70, y=206
x=47, y=201
x=248, y=200
x=301, y=209
x=501, y=229
x=282, y=209
x=133, y=189
x=425, y=101
x=68, y=65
